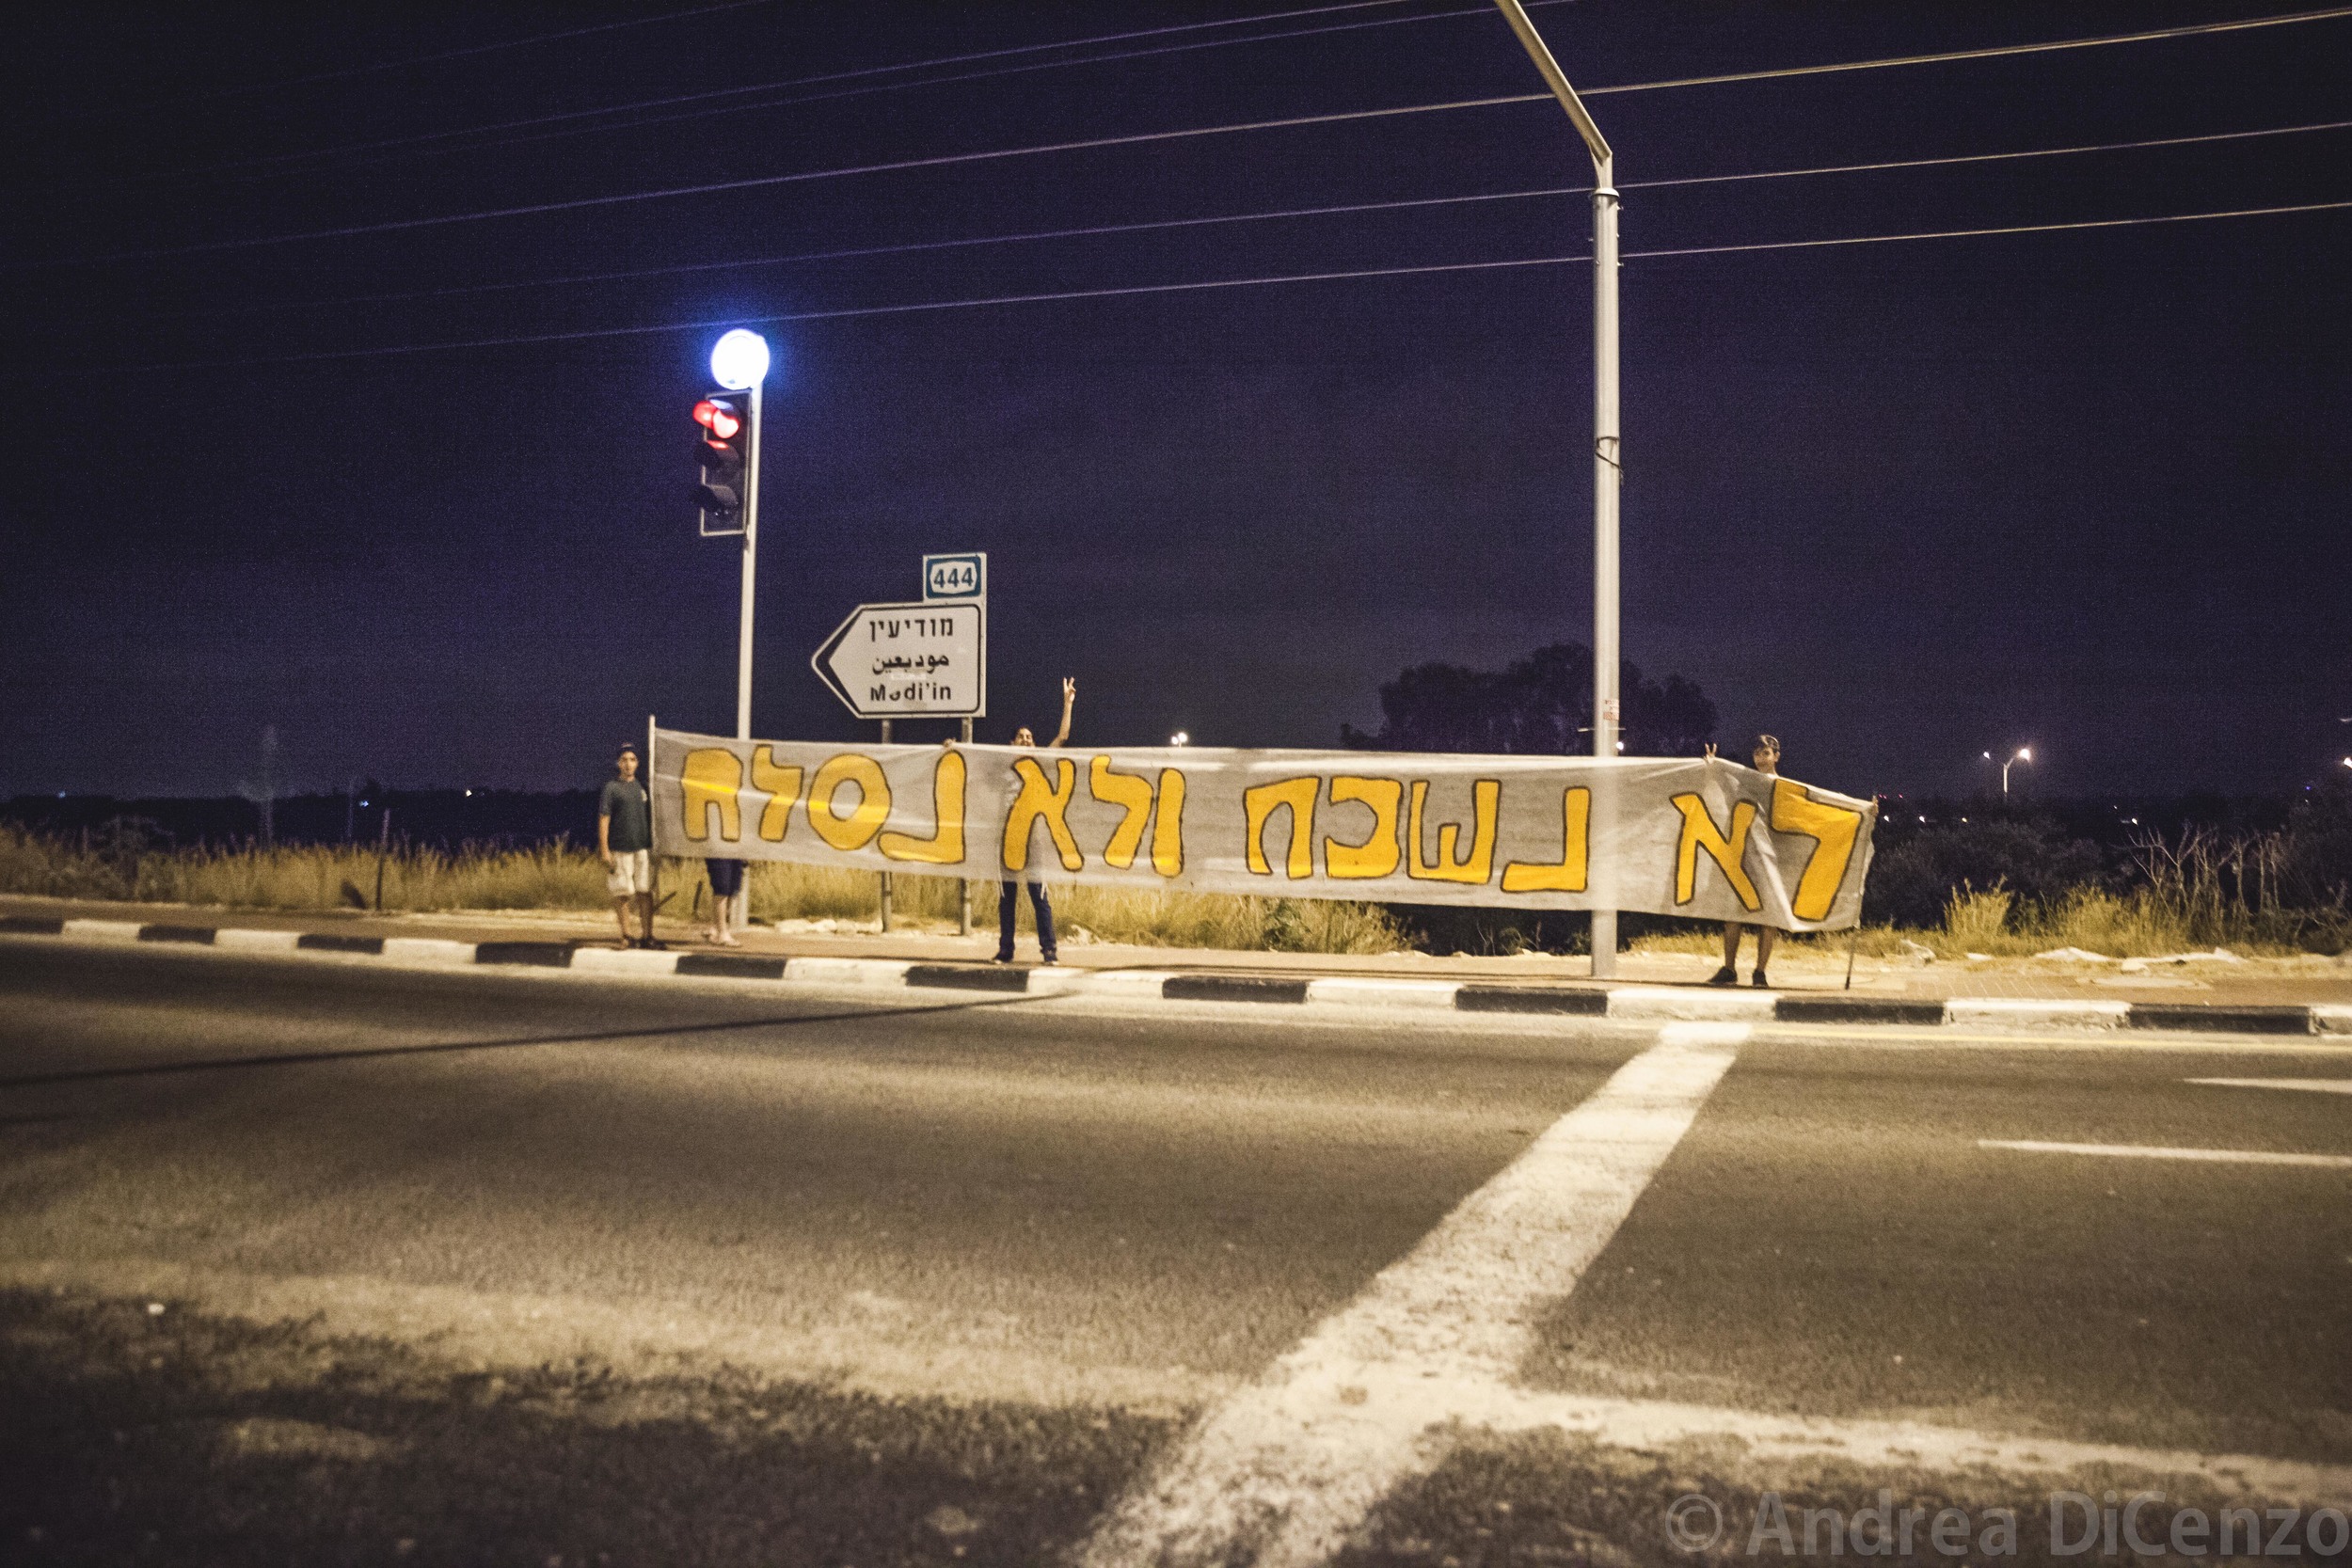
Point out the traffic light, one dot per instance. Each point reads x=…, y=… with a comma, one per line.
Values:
x=723, y=453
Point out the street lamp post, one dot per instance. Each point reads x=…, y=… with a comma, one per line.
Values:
x=2025, y=754
x=738, y=362
x=1608, y=468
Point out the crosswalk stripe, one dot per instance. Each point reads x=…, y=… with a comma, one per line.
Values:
x=1279, y=1473
x=2312, y=1085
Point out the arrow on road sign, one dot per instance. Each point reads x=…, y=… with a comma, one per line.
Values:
x=909, y=662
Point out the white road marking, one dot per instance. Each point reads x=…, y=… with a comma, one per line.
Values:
x=2315, y=1085
x=2213, y=1156
x=1281, y=1472
x=1773, y=1445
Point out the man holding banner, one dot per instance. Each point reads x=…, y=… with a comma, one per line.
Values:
x=1008, y=898
x=1767, y=755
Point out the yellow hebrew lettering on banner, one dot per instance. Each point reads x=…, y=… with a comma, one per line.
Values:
x=1132, y=794
x=708, y=781
x=1834, y=828
x=1479, y=864
x=1700, y=832
x=1039, y=799
x=945, y=846
x=1258, y=808
x=857, y=829
x=1567, y=875
x=1378, y=855
x=1167, y=825
x=782, y=787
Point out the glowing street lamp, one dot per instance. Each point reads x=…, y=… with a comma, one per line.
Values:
x=738, y=362
x=2025, y=754
x=1184, y=738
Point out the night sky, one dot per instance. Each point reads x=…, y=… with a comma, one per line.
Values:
x=1901, y=503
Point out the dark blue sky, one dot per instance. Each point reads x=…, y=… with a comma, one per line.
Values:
x=1900, y=503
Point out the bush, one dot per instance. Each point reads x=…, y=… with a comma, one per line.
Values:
x=1915, y=880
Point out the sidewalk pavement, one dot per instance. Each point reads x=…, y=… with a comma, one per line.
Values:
x=2305, y=981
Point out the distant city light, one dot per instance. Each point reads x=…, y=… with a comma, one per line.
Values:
x=1181, y=738
x=738, y=362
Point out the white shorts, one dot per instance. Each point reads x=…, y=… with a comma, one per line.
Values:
x=632, y=872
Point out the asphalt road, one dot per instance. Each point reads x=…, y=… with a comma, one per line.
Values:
x=320, y=1262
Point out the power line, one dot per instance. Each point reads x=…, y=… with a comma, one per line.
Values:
x=2152, y=35
x=1207, y=284
x=1102, y=231
x=1988, y=53
x=944, y=159
x=386, y=144
x=1989, y=157
x=1146, y=138
x=433, y=59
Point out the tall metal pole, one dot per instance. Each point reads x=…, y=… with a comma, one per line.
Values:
x=751, y=571
x=1607, y=480
x=1607, y=473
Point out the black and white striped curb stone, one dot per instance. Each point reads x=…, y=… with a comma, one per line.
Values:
x=1621, y=1002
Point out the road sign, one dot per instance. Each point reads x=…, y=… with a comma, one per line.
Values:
x=909, y=660
x=956, y=576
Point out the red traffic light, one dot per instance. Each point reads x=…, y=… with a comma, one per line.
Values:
x=721, y=419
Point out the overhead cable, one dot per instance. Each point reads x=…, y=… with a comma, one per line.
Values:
x=388, y=145
x=920, y=307
x=1990, y=51
x=1147, y=137
x=1152, y=224
x=434, y=59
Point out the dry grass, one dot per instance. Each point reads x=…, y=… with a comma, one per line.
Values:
x=561, y=877
x=2191, y=896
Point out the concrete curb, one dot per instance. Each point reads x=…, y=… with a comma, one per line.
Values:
x=1628, y=1002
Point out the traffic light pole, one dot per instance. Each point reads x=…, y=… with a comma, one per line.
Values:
x=751, y=573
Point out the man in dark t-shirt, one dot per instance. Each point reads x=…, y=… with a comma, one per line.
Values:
x=625, y=839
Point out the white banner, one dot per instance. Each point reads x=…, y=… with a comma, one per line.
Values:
x=1704, y=839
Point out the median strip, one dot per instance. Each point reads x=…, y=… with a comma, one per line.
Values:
x=1632, y=1003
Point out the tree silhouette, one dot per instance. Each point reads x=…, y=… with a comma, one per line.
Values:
x=1542, y=705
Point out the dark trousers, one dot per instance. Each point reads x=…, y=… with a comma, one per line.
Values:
x=1008, y=900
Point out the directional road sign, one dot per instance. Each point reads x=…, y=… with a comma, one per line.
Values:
x=909, y=660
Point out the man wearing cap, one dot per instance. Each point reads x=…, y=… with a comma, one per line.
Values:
x=625, y=839
x=1767, y=755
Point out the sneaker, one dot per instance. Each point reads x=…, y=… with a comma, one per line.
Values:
x=1051, y=960
x=1002, y=958
x=653, y=945
x=1724, y=976
x=1757, y=979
